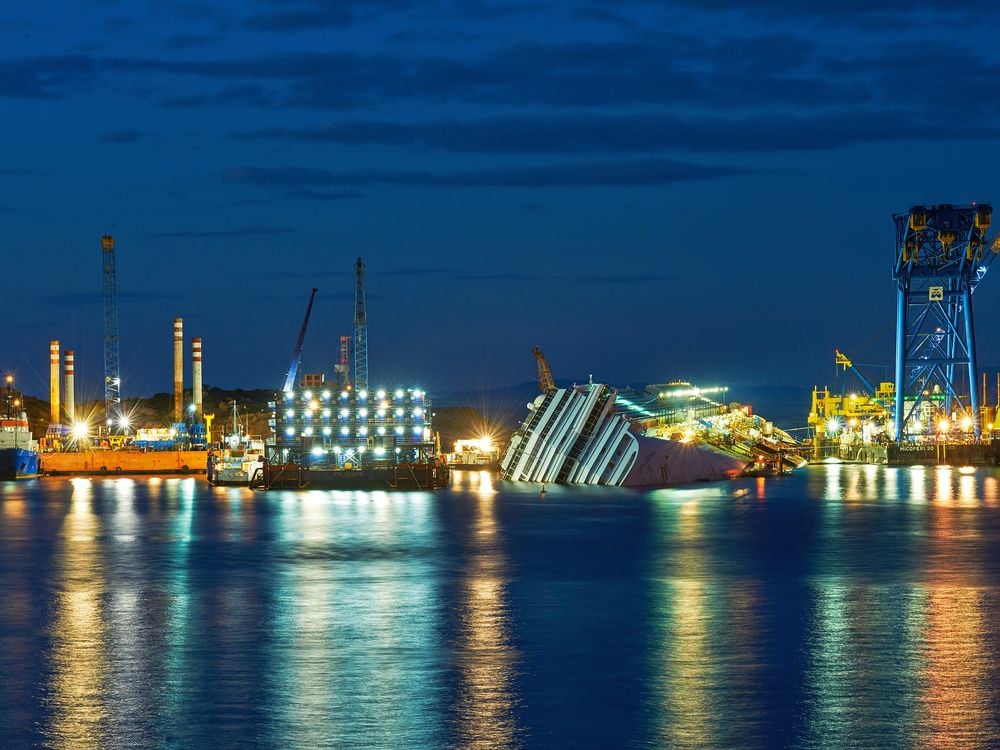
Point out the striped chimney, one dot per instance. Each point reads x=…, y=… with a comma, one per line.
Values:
x=70, y=369
x=196, y=377
x=54, y=382
x=178, y=369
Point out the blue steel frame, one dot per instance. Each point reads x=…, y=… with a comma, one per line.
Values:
x=112, y=373
x=942, y=248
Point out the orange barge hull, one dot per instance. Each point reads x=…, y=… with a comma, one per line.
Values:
x=124, y=462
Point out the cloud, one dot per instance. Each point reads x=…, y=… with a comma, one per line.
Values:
x=94, y=298
x=638, y=278
x=47, y=77
x=326, y=296
x=179, y=42
x=494, y=277
x=582, y=174
x=667, y=69
x=20, y=172
x=119, y=136
x=287, y=16
x=322, y=195
x=758, y=76
x=415, y=271
x=221, y=234
x=335, y=14
x=844, y=11
x=423, y=36
x=622, y=278
x=587, y=132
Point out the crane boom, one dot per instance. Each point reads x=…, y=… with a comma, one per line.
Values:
x=293, y=368
x=546, y=382
x=844, y=361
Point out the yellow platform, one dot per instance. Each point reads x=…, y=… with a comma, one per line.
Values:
x=125, y=462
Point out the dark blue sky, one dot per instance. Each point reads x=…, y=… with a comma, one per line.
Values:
x=647, y=190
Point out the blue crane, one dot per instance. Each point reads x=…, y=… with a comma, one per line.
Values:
x=293, y=368
x=941, y=256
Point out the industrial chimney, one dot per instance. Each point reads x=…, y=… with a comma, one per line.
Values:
x=196, y=377
x=53, y=382
x=69, y=387
x=178, y=369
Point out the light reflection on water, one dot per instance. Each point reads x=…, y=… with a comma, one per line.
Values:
x=78, y=689
x=845, y=606
x=484, y=715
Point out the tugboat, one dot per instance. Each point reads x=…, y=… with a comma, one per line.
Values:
x=18, y=449
x=240, y=460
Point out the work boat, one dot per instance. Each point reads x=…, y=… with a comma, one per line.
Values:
x=239, y=461
x=18, y=449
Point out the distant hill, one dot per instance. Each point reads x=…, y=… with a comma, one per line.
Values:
x=785, y=405
x=157, y=410
x=458, y=414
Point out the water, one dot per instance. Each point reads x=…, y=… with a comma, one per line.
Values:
x=846, y=606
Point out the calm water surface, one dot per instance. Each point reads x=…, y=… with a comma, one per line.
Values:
x=846, y=606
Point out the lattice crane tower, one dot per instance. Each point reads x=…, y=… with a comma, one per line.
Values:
x=941, y=256
x=360, y=329
x=112, y=373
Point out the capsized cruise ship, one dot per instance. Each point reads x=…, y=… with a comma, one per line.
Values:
x=572, y=435
x=576, y=436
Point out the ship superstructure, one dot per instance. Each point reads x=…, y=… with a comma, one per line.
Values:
x=351, y=429
x=572, y=435
x=18, y=449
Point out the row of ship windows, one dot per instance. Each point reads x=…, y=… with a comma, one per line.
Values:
x=417, y=413
x=345, y=432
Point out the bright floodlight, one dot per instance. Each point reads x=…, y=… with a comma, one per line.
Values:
x=81, y=430
x=833, y=425
x=943, y=425
x=967, y=423
x=485, y=445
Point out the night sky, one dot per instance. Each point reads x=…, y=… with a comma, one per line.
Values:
x=646, y=190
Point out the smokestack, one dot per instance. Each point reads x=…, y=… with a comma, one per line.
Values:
x=178, y=369
x=54, y=382
x=196, y=377
x=69, y=387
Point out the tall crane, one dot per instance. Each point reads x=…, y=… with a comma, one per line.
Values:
x=545, y=381
x=112, y=372
x=293, y=367
x=939, y=261
x=360, y=329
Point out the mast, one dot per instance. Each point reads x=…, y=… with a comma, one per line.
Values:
x=112, y=374
x=360, y=329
